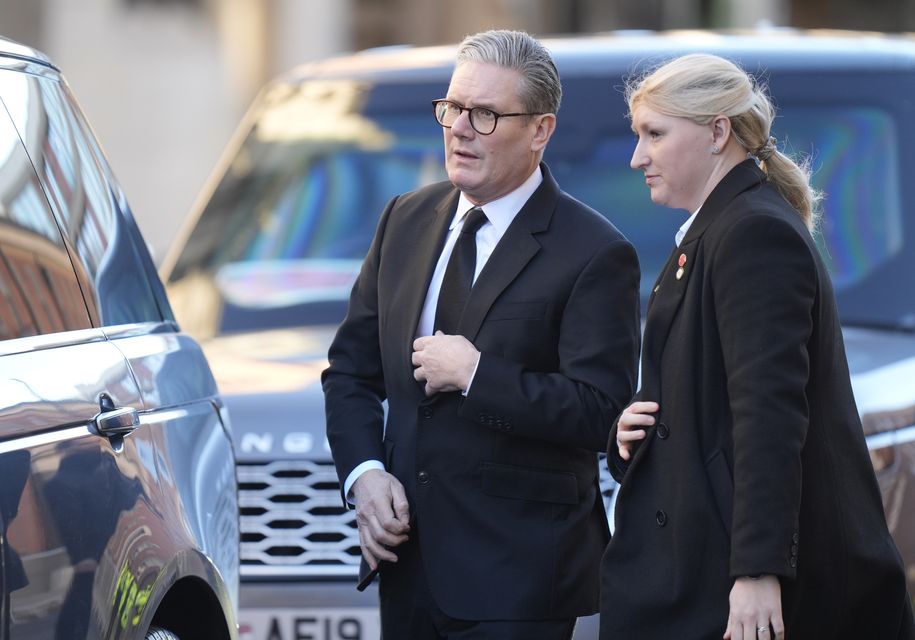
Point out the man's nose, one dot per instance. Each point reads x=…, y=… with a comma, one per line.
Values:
x=462, y=127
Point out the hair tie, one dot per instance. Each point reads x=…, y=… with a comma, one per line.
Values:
x=766, y=150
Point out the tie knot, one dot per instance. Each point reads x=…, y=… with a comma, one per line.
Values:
x=473, y=221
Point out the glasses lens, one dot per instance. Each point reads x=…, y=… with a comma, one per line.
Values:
x=446, y=113
x=483, y=120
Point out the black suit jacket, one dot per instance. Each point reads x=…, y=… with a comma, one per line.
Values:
x=757, y=464
x=502, y=484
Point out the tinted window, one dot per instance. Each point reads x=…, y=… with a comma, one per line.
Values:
x=71, y=168
x=282, y=237
x=39, y=292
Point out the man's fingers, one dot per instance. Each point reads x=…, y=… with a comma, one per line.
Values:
x=401, y=505
x=381, y=534
x=372, y=551
x=778, y=628
x=368, y=555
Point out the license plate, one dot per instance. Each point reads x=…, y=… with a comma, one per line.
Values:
x=309, y=624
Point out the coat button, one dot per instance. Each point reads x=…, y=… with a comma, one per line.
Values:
x=663, y=431
x=423, y=477
x=793, y=562
x=427, y=412
x=795, y=538
x=794, y=550
x=660, y=518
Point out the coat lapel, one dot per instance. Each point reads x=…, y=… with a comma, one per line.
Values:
x=426, y=246
x=671, y=285
x=511, y=255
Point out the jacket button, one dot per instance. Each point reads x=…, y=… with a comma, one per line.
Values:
x=663, y=431
x=794, y=550
x=795, y=538
x=793, y=562
x=508, y=426
x=423, y=477
x=427, y=412
x=660, y=518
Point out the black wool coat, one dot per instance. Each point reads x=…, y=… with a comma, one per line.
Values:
x=757, y=463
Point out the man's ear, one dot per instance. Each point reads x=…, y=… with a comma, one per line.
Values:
x=546, y=125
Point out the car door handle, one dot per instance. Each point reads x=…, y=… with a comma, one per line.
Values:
x=117, y=422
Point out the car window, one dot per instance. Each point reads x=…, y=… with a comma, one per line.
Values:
x=39, y=292
x=281, y=239
x=73, y=172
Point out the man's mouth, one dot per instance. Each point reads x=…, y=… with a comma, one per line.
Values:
x=465, y=154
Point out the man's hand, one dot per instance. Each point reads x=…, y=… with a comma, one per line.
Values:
x=444, y=363
x=630, y=427
x=756, y=610
x=382, y=515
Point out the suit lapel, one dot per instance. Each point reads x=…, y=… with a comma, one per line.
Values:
x=511, y=255
x=426, y=246
x=671, y=285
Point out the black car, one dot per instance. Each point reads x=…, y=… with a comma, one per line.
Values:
x=118, y=497
x=263, y=270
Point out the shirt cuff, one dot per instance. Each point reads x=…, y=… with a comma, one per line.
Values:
x=368, y=465
x=472, y=375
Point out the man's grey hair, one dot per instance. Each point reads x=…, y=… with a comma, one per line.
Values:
x=541, y=91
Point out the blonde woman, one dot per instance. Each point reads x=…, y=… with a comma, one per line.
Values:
x=748, y=507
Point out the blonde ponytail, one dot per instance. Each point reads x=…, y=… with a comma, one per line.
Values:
x=701, y=86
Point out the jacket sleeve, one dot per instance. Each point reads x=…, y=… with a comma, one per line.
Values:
x=598, y=353
x=764, y=281
x=353, y=382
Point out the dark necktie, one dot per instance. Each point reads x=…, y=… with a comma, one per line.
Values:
x=459, y=274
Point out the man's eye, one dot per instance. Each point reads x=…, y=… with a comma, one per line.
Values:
x=485, y=113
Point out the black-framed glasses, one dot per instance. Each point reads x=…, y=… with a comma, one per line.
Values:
x=482, y=120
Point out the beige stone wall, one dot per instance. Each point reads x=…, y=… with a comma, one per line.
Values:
x=164, y=84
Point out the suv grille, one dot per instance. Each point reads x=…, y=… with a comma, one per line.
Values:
x=293, y=523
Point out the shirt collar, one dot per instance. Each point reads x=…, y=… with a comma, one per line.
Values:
x=681, y=232
x=502, y=211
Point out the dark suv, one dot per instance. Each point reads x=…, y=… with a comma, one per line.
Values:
x=263, y=270
x=118, y=498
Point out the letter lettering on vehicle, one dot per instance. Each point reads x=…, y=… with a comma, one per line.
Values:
x=297, y=442
x=259, y=442
x=349, y=629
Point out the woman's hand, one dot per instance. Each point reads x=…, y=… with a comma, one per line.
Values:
x=630, y=426
x=756, y=610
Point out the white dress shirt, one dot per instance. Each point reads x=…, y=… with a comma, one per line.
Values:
x=681, y=232
x=499, y=215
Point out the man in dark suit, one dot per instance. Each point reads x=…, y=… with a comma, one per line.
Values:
x=498, y=317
